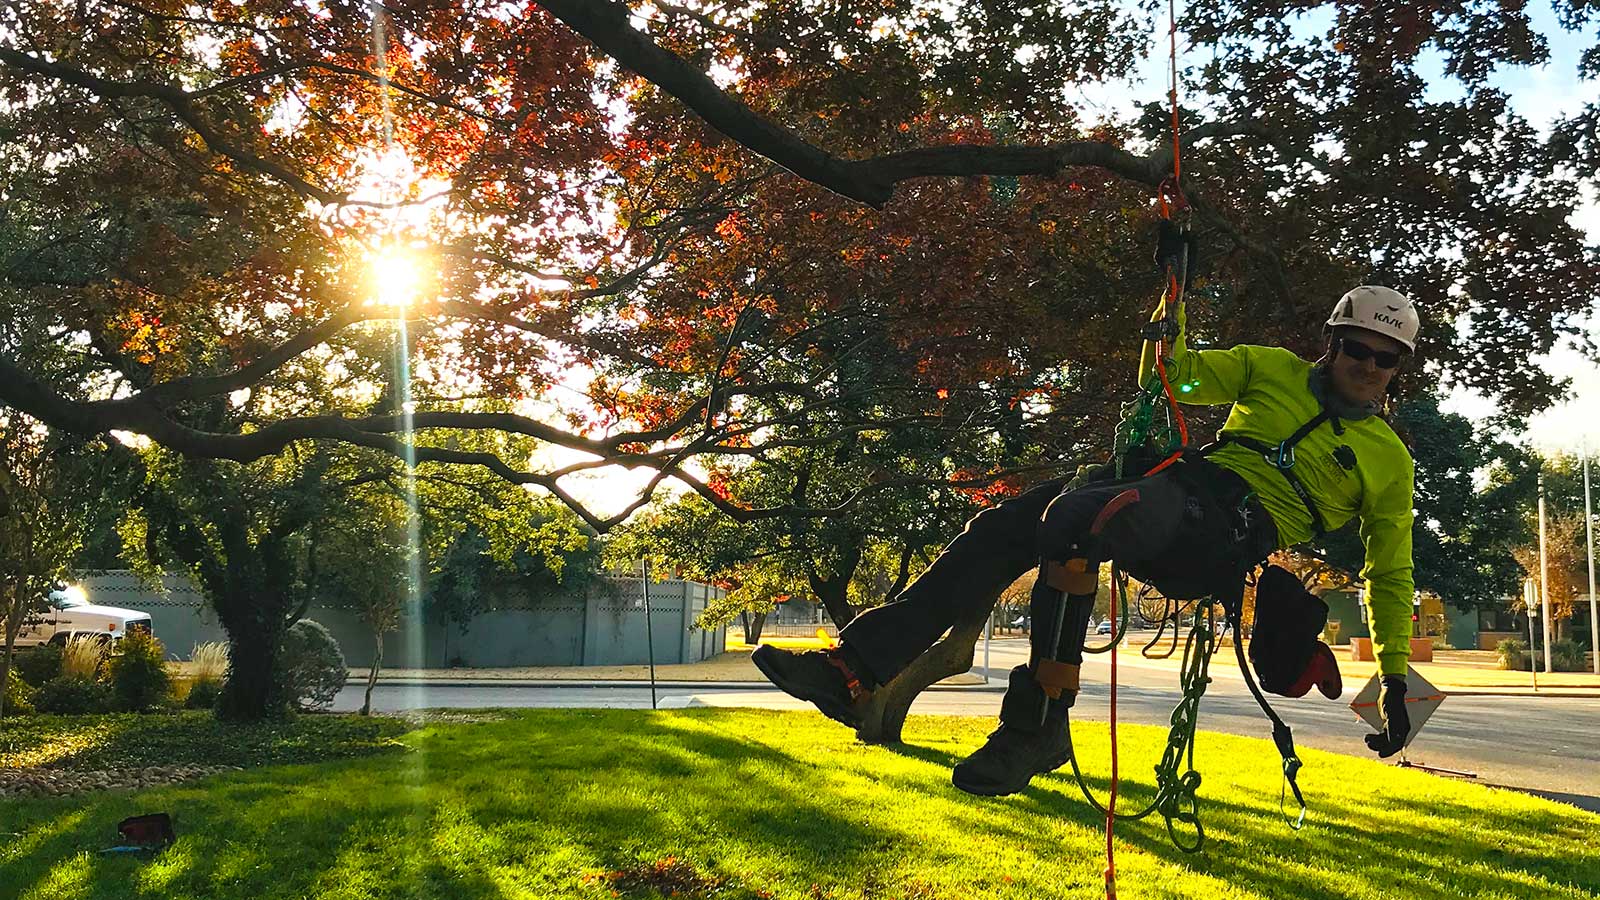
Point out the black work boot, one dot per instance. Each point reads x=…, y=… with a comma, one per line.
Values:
x=1020, y=748
x=821, y=677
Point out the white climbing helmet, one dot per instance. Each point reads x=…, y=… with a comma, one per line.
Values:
x=1383, y=310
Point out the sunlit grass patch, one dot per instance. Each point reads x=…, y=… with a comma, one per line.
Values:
x=745, y=804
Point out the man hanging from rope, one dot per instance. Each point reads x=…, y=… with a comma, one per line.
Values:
x=1304, y=450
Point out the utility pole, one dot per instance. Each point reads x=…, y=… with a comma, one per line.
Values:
x=1544, y=579
x=1588, y=527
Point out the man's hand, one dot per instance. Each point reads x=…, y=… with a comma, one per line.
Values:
x=1396, y=721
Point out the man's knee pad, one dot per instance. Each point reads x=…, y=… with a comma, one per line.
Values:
x=1075, y=576
x=1065, y=524
x=1139, y=523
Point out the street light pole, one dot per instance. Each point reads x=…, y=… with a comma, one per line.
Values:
x=989, y=630
x=1588, y=526
x=1530, y=602
x=1544, y=579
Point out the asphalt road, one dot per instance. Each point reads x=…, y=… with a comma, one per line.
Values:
x=1546, y=744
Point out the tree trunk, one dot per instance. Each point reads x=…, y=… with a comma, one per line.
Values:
x=753, y=623
x=372, y=676
x=835, y=597
x=885, y=713
x=255, y=689
x=5, y=672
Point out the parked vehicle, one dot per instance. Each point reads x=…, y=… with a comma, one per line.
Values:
x=69, y=614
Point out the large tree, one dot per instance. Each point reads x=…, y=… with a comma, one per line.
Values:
x=215, y=173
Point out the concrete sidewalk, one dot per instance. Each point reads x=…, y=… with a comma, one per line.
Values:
x=1456, y=672
x=1460, y=672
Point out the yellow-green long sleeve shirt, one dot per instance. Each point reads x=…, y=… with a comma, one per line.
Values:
x=1269, y=388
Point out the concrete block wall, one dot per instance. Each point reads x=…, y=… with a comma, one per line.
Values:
x=606, y=627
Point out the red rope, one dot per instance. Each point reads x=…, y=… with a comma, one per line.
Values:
x=1172, y=96
x=1179, y=202
x=1111, y=807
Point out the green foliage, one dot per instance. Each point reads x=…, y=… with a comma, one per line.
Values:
x=203, y=694
x=48, y=480
x=1513, y=654
x=313, y=666
x=137, y=673
x=18, y=695
x=1568, y=656
x=38, y=664
x=72, y=695
x=192, y=738
x=486, y=540
x=848, y=562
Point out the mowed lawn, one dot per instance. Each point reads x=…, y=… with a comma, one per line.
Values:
x=750, y=804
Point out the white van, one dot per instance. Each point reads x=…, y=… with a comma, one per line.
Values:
x=70, y=614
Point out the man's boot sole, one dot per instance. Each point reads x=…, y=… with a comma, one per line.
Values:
x=830, y=707
x=993, y=789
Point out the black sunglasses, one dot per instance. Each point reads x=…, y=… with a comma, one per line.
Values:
x=1383, y=359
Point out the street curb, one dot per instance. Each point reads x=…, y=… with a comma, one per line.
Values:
x=1580, y=693
x=993, y=686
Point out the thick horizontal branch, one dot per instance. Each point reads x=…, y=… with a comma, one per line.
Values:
x=606, y=24
x=194, y=387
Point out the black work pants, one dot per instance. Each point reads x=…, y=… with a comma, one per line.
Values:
x=1181, y=535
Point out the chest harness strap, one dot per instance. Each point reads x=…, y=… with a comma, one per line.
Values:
x=1281, y=457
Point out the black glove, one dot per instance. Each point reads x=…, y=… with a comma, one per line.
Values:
x=1396, y=721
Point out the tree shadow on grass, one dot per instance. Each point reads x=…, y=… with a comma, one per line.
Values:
x=1442, y=850
x=476, y=820
x=542, y=805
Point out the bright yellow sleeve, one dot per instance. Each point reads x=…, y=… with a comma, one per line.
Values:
x=1200, y=377
x=1386, y=535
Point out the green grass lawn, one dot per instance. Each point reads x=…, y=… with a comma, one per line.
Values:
x=188, y=738
x=746, y=804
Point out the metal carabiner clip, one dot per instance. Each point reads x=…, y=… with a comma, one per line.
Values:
x=1284, y=458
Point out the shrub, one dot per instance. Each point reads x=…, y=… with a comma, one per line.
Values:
x=38, y=664
x=203, y=695
x=72, y=695
x=208, y=667
x=1513, y=654
x=19, y=696
x=313, y=667
x=82, y=657
x=1568, y=656
x=209, y=662
x=138, y=673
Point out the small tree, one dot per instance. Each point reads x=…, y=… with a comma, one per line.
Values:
x=41, y=523
x=365, y=561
